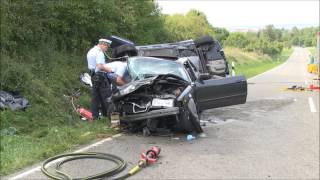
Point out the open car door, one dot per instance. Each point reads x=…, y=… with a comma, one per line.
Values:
x=213, y=93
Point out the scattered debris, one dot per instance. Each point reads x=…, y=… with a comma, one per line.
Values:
x=8, y=131
x=84, y=113
x=202, y=135
x=84, y=119
x=115, y=121
x=13, y=101
x=296, y=88
x=176, y=138
x=313, y=87
x=190, y=137
x=86, y=79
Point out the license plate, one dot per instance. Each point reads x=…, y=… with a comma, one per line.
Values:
x=162, y=102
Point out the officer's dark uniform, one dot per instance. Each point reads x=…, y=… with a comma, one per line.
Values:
x=101, y=90
x=101, y=93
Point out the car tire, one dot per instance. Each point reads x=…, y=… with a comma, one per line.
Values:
x=184, y=123
x=194, y=117
x=125, y=49
x=146, y=132
x=189, y=120
x=203, y=40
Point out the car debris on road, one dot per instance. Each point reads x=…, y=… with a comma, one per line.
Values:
x=297, y=88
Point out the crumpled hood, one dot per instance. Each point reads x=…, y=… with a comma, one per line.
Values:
x=132, y=86
x=135, y=85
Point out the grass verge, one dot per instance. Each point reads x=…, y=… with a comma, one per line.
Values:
x=312, y=51
x=250, y=64
x=18, y=151
x=49, y=126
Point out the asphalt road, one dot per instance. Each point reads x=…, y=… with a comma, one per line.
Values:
x=275, y=135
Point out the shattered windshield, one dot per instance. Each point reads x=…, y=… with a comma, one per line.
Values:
x=144, y=67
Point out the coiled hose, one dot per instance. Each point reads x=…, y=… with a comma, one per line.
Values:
x=59, y=175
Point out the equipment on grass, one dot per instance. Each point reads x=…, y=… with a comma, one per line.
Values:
x=85, y=113
x=80, y=110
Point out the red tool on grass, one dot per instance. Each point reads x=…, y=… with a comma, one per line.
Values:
x=80, y=110
x=85, y=113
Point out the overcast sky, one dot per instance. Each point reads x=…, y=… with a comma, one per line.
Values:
x=245, y=14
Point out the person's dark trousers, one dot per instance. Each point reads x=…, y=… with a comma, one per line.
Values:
x=101, y=91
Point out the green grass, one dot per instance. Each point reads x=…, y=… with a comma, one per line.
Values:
x=312, y=51
x=251, y=64
x=17, y=151
x=49, y=126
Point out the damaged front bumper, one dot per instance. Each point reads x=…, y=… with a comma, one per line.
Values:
x=151, y=114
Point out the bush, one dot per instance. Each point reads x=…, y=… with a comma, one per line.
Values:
x=237, y=40
x=14, y=75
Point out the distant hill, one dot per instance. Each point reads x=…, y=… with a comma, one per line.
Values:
x=260, y=27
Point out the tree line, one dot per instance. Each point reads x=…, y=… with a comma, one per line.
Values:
x=75, y=25
x=30, y=28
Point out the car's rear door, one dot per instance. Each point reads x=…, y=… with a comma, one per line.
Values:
x=213, y=93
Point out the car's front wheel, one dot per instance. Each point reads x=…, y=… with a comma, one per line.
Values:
x=188, y=119
x=194, y=116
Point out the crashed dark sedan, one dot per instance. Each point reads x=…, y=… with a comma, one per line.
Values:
x=167, y=94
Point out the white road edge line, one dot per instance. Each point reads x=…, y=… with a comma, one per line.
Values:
x=311, y=104
x=38, y=168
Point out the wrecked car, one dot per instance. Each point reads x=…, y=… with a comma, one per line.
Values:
x=172, y=83
x=170, y=94
x=205, y=53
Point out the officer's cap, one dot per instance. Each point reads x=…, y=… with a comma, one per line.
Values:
x=105, y=40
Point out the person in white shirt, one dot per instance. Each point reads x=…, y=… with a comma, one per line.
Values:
x=120, y=73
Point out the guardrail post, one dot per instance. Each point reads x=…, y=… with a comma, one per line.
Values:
x=233, y=72
x=318, y=47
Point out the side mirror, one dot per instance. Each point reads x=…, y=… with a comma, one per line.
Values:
x=204, y=76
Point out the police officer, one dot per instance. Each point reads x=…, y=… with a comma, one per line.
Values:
x=101, y=88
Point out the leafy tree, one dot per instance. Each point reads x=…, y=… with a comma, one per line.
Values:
x=221, y=34
x=271, y=33
x=32, y=31
x=237, y=39
x=190, y=26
